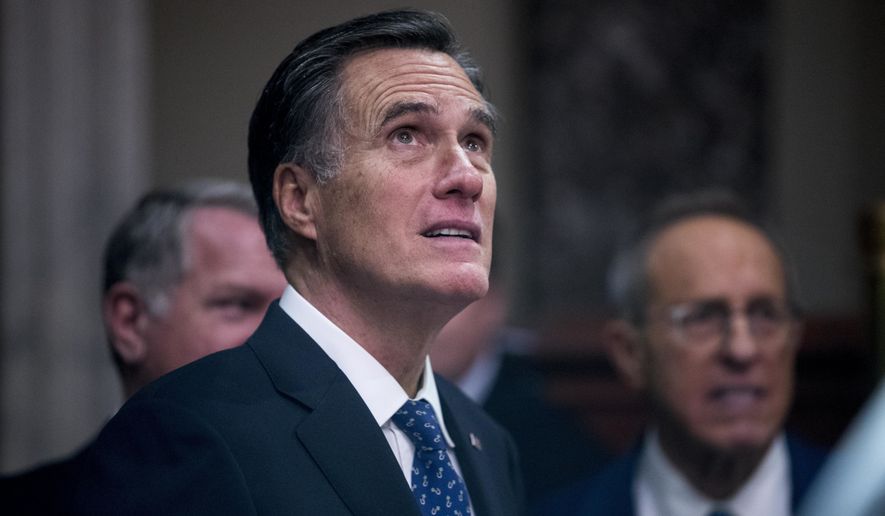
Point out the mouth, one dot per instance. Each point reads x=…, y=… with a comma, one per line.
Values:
x=737, y=396
x=448, y=230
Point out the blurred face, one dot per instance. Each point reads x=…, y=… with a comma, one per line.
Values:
x=409, y=216
x=229, y=281
x=717, y=381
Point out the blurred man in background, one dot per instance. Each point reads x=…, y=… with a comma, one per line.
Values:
x=707, y=334
x=186, y=273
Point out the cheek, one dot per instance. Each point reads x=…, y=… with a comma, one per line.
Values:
x=228, y=335
x=226, y=330
x=357, y=213
x=490, y=192
x=680, y=382
x=782, y=376
x=173, y=342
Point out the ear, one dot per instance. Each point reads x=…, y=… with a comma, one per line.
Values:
x=124, y=314
x=622, y=343
x=294, y=192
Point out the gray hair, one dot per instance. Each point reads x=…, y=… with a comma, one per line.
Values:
x=628, y=281
x=148, y=247
x=299, y=117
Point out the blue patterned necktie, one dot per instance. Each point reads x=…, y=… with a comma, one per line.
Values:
x=720, y=512
x=437, y=487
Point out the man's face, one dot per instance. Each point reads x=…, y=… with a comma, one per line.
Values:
x=229, y=281
x=730, y=393
x=409, y=216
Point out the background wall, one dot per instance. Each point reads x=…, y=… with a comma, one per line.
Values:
x=101, y=99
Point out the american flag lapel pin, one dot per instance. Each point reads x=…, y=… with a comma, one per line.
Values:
x=475, y=442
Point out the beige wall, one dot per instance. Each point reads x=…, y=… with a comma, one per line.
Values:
x=74, y=151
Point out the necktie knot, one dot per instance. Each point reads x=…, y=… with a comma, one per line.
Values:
x=418, y=421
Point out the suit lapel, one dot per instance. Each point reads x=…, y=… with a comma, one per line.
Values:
x=338, y=431
x=479, y=473
x=346, y=442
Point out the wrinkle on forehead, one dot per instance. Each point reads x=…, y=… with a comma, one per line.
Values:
x=375, y=82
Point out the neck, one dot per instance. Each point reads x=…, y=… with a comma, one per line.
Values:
x=717, y=474
x=396, y=332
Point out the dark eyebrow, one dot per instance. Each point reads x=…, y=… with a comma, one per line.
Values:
x=404, y=108
x=480, y=115
x=484, y=117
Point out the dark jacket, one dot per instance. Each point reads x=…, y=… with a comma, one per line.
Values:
x=274, y=427
x=610, y=493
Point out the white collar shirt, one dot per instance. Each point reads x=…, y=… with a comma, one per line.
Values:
x=659, y=489
x=379, y=390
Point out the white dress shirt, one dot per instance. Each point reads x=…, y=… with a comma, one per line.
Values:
x=661, y=490
x=380, y=391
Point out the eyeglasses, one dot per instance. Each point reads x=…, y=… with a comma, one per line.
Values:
x=703, y=322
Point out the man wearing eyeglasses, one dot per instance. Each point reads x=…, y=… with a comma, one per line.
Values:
x=707, y=333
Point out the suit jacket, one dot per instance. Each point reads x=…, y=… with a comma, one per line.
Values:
x=274, y=427
x=611, y=492
x=554, y=449
x=45, y=489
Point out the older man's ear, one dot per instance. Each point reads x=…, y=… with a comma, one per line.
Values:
x=125, y=315
x=295, y=194
x=622, y=343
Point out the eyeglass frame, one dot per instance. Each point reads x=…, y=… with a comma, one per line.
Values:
x=721, y=316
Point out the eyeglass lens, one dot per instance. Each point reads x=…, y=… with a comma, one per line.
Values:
x=705, y=320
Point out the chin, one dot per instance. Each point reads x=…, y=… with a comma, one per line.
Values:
x=460, y=294
x=743, y=440
x=466, y=280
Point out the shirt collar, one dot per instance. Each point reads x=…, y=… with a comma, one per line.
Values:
x=379, y=390
x=765, y=492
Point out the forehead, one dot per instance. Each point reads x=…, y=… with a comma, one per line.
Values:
x=221, y=232
x=713, y=256
x=375, y=81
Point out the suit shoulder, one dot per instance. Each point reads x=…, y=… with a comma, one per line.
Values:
x=806, y=460
x=215, y=373
x=44, y=489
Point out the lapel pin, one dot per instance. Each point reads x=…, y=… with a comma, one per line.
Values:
x=475, y=442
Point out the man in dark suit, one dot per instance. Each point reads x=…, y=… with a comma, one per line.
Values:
x=370, y=158
x=708, y=332
x=186, y=273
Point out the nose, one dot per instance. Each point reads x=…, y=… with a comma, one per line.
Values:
x=460, y=176
x=739, y=346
